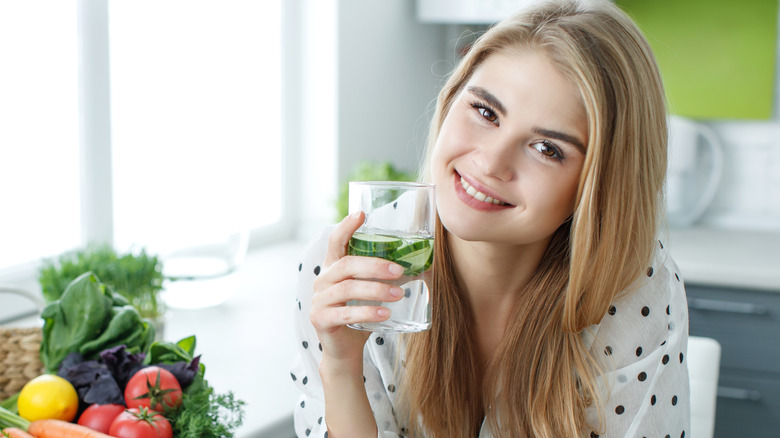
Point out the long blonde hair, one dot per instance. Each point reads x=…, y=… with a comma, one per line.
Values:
x=542, y=378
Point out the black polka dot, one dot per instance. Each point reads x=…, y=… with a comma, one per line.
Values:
x=308, y=431
x=395, y=205
x=620, y=409
x=407, y=292
x=667, y=310
x=316, y=270
x=663, y=343
x=681, y=357
x=319, y=421
x=300, y=266
x=594, y=435
x=642, y=376
x=612, y=310
x=299, y=306
x=305, y=344
x=652, y=400
x=668, y=436
x=674, y=400
x=319, y=345
x=364, y=379
x=638, y=351
x=293, y=377
x=305, y=380
x=645, y=311
x=303, y=404
x=380, y=340
x=682, y=435
x=676, y=276
x=326, y=434
x=665, y=359
x=391, y=387
x=608, y=351
x=650, y=271
x=661, y=243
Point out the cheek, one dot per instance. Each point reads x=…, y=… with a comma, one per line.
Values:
x=563, y=203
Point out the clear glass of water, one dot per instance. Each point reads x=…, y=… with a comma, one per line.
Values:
x=399, y=226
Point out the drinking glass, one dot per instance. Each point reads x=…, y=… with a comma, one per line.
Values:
x=399, y=226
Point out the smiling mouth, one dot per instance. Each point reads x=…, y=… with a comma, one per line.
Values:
x=479, y=196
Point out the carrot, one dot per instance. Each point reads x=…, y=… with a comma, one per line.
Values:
x=62, y=429
x=15, y=432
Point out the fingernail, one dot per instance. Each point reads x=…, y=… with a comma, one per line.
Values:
x=354, y=215
x=395, y=269
x=383, y=312
x=396, y=291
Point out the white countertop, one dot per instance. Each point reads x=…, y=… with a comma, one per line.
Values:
x=724, y=257
x=247, y=343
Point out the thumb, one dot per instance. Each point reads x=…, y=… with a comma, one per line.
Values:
x=339, y=237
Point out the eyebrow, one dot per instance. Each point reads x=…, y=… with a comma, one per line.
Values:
x=489, y=98
x=495, y=103
x=560, y=136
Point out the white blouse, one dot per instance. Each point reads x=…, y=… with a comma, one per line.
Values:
x=644, y=334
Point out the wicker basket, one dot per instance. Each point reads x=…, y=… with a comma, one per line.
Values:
x=19, y=358
x=19, y=349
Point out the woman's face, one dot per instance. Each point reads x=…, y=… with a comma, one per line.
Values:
x=510, y=152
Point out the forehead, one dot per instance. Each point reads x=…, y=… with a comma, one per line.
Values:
x=529, y=84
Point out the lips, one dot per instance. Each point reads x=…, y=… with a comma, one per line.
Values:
x=477, y=198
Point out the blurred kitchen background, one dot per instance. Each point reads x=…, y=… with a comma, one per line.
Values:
x=217, y=134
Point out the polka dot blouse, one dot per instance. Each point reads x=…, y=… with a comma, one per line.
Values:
x=643, y=338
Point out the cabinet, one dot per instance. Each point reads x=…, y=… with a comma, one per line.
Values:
x=746, y=322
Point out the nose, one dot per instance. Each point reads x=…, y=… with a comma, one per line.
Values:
x=496, y=159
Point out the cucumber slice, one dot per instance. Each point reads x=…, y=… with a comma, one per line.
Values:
x=416, y=257
x=373, y=245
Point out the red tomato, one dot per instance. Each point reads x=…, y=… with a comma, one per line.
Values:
x=140, y=423
x=153, y=387
x=100, y=417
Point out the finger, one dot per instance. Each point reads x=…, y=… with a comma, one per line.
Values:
x=328, y=318
x=364, y=290
x=339, y=237
x=373, y=268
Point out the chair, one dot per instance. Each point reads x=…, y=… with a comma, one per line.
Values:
x=703, y=367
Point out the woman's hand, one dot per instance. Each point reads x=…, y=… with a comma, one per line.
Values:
x=343, y=279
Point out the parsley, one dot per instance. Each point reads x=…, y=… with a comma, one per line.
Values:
x=204, y=414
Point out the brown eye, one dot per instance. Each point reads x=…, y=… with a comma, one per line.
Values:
x=548, y=149
x=488, y=114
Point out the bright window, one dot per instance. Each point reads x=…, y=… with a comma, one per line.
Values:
x=195, y=124
x=39, y=149
x=196, y=134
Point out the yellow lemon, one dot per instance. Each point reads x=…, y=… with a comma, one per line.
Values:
x=48, y=396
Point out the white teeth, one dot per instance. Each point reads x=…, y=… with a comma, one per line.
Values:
x=479, y=195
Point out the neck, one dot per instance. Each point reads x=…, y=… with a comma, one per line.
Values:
x=492, y=275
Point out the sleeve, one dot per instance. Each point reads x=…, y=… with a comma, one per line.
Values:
x=309, y=412
x=643, y=340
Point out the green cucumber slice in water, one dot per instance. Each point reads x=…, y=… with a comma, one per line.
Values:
x=373, y=245
x=416, y=258
x=414, y=254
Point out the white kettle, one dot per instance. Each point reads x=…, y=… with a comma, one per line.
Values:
x=691, y=181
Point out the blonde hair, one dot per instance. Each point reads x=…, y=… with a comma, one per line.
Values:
x=542, y=378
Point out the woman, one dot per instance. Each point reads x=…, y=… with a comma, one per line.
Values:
x=557, y=312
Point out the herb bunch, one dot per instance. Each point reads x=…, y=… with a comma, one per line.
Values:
x=137, y=277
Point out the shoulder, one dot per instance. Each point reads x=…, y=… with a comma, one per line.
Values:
x=647, y=316
x=642, y=341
